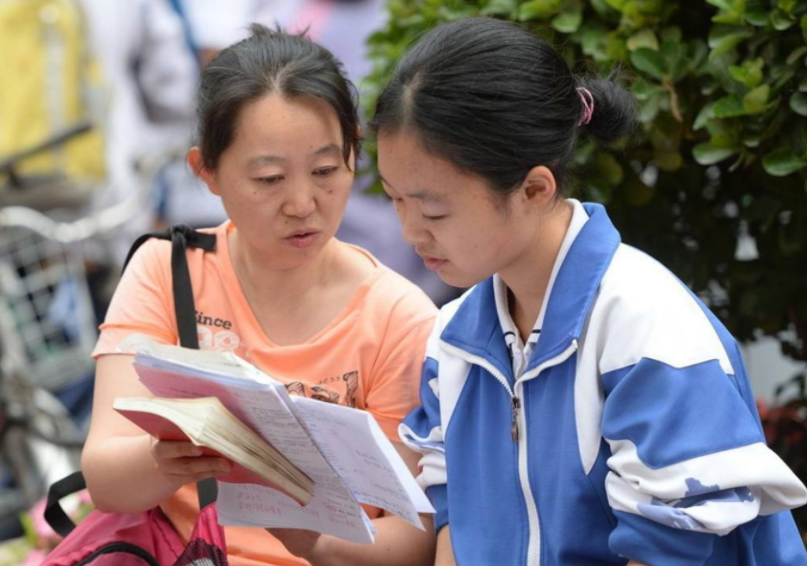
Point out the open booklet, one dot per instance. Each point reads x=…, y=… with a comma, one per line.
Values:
x=343, y=451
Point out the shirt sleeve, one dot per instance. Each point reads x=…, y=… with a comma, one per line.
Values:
x=392, y=390
x=143, y=301
x=422, y=431
x=688, y=461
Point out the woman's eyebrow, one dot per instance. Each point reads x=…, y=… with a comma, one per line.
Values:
x=330, y=148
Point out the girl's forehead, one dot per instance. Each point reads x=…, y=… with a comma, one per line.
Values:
x=404, y=165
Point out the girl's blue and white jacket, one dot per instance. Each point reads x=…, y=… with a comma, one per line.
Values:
x=632, y=433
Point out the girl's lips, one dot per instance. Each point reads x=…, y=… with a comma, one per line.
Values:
x=433, y=263
x=302, y=240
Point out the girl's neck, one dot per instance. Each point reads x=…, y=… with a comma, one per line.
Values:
x=527, y=278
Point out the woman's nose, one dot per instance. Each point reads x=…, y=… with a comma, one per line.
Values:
x=300, y=203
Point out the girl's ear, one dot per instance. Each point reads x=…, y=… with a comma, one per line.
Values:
x=195, y=162
x=539, y=187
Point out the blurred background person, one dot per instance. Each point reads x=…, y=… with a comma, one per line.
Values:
x=101, y=85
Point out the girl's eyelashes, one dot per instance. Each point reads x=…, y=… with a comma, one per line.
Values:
x=433, y=218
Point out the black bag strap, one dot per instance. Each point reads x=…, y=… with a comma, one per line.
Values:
x=181, y=238
x=54, y=513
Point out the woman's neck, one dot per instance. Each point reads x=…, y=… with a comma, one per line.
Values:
x=527, y=278
x=256, y=273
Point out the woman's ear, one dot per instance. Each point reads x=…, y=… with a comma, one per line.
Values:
x=196, y=163
x=539, y=187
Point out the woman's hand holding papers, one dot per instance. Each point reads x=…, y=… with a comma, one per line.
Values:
x=183, y=463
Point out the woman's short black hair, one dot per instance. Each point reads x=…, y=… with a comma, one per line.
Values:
x=270, y=61
x=495, y=100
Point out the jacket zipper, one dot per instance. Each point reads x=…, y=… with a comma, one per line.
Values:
x=518, y=424
x=534, y=544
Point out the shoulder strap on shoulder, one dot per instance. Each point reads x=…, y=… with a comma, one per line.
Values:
x=181, y=238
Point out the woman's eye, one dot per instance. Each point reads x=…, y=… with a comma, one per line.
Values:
x=324, y=171
x=271, y=180
x=440, y=217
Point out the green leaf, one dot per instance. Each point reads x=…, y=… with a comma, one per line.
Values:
x=796, y=54
x=787, y=5
x=643, y=90
x=803, y=85
x=749, y=73
x=674, y=56
x=708, y=154
x=568, y=22
x=649, y=109
x=729, y=107
x=781, y=21
x=615, y=47
x=672, y=33
x=756, y=101
x=593, y=40
x=757, y=17
x=799, y=140
x=648, y=61
x=730, y=18
x=723, y=40
x=706, y=114
x=604, y=10
x=536, y=10
x=731, y=12
x=699, y=53
x=782, y=162
x=505, y=8
x=617, y=5
x=644, y=38
x=751, y=141
x=724, y=5
x=798, y=103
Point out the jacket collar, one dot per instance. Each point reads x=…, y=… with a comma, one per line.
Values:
x=475, y=326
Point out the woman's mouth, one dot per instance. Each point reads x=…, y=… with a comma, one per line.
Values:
x=302, y=239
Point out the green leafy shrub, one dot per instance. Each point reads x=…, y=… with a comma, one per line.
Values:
x=713, y=183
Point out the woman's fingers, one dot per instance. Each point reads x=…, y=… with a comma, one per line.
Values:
x=182, y=462
x=163, y=449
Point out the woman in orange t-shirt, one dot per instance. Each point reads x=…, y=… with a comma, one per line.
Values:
x=278, y=142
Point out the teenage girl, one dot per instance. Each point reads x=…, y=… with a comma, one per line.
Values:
x=580, y=406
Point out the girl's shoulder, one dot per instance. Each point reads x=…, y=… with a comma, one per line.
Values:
x=642, y=310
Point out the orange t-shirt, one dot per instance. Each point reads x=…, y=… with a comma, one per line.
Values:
x=368, y=357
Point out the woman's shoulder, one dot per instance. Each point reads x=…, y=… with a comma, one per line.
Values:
x=392, y=293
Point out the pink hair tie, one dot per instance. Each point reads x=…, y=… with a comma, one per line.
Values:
x=588, y=105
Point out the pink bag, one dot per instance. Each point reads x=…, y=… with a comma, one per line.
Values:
x=147, y=538
x=138, y=539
